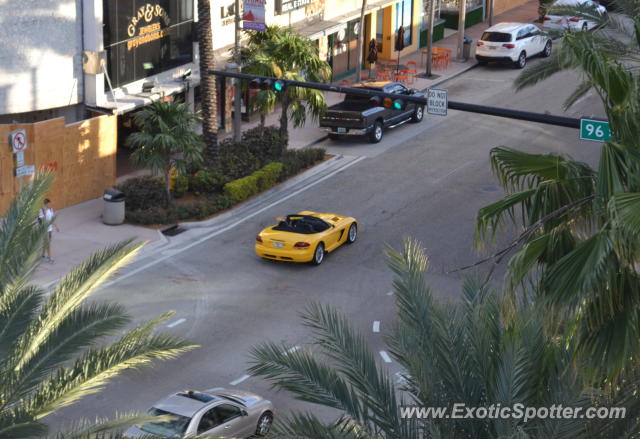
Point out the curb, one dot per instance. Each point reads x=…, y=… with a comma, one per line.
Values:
x=297, y=182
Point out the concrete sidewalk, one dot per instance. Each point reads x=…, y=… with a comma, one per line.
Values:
x=82, y=232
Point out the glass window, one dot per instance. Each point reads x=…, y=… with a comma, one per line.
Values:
x=404, y=18
x=496, y=37
x=379, y=24
x=453, y=5
x=175, y=427
x=208, y=421
x=227, y=412
x=144, y=38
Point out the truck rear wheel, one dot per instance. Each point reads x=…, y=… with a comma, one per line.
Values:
x=375, y=135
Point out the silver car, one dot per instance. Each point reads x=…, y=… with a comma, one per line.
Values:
x=218, y=413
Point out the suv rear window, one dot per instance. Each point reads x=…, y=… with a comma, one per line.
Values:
x=496, y=37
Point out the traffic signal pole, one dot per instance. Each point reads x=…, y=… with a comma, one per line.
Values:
x=549, y=119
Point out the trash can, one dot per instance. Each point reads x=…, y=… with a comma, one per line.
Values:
x=113, y=213
x=466, y=47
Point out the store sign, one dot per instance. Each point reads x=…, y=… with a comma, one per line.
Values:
x=253, y=15
x=284, y=6
x=228, y=14
x=146, y=31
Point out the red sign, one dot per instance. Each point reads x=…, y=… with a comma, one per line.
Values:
x=18, y=140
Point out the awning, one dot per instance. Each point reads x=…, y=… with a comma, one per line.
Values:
x=327, y=27
x=125, y=100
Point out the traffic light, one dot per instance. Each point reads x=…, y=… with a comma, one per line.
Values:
x=277, y=85
x=395, y=104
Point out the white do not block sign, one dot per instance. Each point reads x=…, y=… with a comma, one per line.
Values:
x=18, y=140
x=437, y=102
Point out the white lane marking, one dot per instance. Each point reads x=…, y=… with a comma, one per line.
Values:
x=376, y=326
x=176, y=323
x=239, y=380
x=390, y=293
x=231, y=226
x=385, y=356
x=292, y=350
x=437, y=180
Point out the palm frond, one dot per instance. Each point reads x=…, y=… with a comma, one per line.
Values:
x=308, y=426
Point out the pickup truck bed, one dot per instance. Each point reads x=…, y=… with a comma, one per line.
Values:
x=356, y=115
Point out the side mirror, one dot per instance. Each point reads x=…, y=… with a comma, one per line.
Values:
x=244, y=413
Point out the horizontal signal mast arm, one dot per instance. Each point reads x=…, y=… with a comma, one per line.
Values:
x=548, y=119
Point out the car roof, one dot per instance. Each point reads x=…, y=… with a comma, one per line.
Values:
x=506, y=27
x=181, y=404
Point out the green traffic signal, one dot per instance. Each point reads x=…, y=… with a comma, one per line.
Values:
x=278, y=85
x=398, y=104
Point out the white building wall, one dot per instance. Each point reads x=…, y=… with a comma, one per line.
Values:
x=40, y=54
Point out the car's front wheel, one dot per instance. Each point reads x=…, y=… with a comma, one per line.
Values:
x=352, y=234
x=547, y=49
x=418, y=115
x=376, y=133
x=318, y=255
x=264, y=424
x=522, y=61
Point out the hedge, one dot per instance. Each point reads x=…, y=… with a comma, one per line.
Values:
x=262, y=179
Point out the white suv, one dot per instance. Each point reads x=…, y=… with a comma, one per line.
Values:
x=512, y=42
x=564, y=22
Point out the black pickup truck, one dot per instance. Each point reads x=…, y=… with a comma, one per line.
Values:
x=357, y=116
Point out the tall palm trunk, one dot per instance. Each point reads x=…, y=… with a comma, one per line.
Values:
x=167, y=186
x=207, y=82
x=284, y=122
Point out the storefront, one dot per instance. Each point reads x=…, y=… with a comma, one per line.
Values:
x=449, y=13
x=439, y=23
x=342, y=49
x=142, y=39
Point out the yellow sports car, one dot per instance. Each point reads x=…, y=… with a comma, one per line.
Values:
x=306, y=236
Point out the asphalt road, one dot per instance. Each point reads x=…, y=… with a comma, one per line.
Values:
x=423, y=180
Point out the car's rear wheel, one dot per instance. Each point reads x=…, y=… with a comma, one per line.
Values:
x=547, y=49
x=522, y=61
x=376, y=133
x=318, y=255
x=352, y=234
x=418, y=115
x=264, y=424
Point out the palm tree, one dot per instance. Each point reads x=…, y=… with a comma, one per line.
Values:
x=478, y=353
x=581, y=239
x=283, y=53
x=208, y=91
x=167, y=139
x=52, y=348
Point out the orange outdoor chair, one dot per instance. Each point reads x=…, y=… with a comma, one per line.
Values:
x=412, y=71
x=364, y=76
x=384, y=75
x=345, y=82
x=402, y=78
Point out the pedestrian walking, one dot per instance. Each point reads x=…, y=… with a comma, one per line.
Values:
x=47, y=215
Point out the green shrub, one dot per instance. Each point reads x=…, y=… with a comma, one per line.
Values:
x=207, y=181
x=263, y=144
x=295, y=160
x=181, y=186
x=234, y=160
x=241, y=188
x=268, y=175
x=143, y=193
x=262, y=179
x=151, y=215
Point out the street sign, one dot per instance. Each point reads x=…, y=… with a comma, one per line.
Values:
x=19, y=158
x=18, y=140
x=437, y=102
x=25, y=170
x=595, y=130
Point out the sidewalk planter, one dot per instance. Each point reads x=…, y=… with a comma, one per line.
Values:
x=472, y=17
x=438, y=33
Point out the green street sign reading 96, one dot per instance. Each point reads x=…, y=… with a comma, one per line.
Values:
x=596, y=130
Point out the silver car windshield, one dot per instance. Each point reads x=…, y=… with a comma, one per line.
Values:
x=175, y=427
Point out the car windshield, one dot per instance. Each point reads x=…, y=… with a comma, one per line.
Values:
x=175, y=427
x=496, y=37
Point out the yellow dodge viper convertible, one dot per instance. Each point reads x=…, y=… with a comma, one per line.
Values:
x=306, y=237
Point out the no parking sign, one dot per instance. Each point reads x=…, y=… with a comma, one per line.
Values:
x=18, y=140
